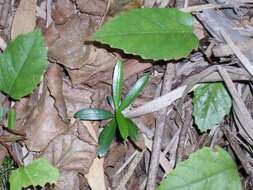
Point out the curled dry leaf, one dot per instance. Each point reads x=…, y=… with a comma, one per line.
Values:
x=92, y=7
x=24, y=19
x=76, y=97
x=98, y=61
x=55, y=85
x=65, y=42
x=62, y=10
x=44, y=124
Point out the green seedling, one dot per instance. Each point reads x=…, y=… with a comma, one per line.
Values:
x=127, y=128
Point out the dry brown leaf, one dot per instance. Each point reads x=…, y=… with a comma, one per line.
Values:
x=77, y=97
x=62, y=10
x=95, y=177
x=24, y=19
x=55, y=85
x=44, y=124
x=68, y=180
x=68, y=153
x=98, y=61
x=92, y=7
x=65, y=42
x=3, y=153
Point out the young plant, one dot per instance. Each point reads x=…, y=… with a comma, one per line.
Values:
x=126, y=126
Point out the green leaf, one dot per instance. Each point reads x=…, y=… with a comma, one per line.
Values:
x=211, y=102
x=110, y=102
x=151, y=33
x=93, y=114
x=134, y=91
x=204, y=170
x=106, y=137
x=117, y=84
x=133, y=130
x=122, y=124
x=11, y=119
x=22, y=65
x=38, y=172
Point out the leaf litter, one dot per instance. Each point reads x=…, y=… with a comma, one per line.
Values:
x=79, y=76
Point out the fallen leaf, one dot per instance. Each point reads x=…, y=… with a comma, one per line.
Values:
x=62, y=10
x=98, y=61
x=76, y=97
x=92, y=7
x=44, y=124
x=25, y=18
x=3, y=153
x=65, y=42
x=68, y=180
x=55, y=85
x=68, y=153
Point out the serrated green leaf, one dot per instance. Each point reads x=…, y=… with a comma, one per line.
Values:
x=134, y=91
x=122, y=124
x=117, y=83
x=133, y=130
x=151, y=33
x=93, y=114
x=22, y=65
x=206, y=169
x=106, y=137
x=38, y=172
x=11, y=119
x=211, y=102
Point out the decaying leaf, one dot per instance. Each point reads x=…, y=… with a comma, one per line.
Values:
x=65, y=42
x=62, y=10
x=55, y=85
x=24, y=19
x=68, y=153
x=44, y=123
x=98, y=61
x=76, y=97
x=68, y=180
x=93, y=7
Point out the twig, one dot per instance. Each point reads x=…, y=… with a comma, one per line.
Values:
x=244, y=60
x=160, y=124
x=130, y=171
x=239, y=106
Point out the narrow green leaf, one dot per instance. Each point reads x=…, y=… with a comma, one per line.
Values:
x=206, y=169
x=106, y=137
x=110, y=102
x=22, y=65
x=11, y=119
x=93, y=114
x=211, y=102
x=117, y=84
x=37, y=173
x=122, y=124
x=133, y=130
x=164, y=33
x=134, y=91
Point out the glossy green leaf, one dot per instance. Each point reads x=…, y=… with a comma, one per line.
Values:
x=11, y=119
x=110, y=102
x=37, y=173
x=22, y=65
x=206, y=169
x=117, y=83
x=164, y=33
x=133, y=130
x=211, y=103
x=134, y=91
x=93, y=114
x=106, y=137
x=122, y=124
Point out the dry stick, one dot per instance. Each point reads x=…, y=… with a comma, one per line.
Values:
x=167, y=99
x=240, y=108
x=244, y=60
x=237, y=149
x=130, y=171
x=160, y=124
